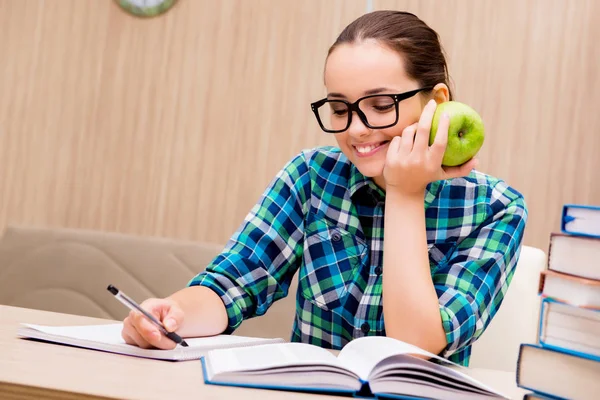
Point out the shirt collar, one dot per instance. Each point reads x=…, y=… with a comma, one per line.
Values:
x=358, y=182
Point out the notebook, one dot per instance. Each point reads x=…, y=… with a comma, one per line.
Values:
x=108, y=338
x=372, y=366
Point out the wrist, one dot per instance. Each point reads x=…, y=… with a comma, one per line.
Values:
x=396, y=195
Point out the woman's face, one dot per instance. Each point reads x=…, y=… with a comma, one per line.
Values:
x=360, y=69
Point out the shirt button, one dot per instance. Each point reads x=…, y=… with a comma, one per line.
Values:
x=336, y=237
x=365, y=328
x=378, y=270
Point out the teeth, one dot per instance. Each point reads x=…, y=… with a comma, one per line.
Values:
x=366, y=149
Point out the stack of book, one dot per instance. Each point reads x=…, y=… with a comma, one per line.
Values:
x=565, y=361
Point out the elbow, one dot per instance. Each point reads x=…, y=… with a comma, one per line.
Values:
x=431, y=338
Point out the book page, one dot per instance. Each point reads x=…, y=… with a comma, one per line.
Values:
x=363, y=354
x=586, y=220
x=269, y=356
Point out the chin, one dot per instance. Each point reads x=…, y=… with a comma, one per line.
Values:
x=370, y=169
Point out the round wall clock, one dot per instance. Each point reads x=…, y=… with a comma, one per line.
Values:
x=146, y=8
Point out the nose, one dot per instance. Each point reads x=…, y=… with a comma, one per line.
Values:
x=357, y=128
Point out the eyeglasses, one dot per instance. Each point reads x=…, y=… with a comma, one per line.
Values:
x=376, y=111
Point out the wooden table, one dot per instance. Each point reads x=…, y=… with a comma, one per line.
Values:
x=37, y=370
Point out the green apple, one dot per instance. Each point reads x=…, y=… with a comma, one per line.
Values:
x=465, y=134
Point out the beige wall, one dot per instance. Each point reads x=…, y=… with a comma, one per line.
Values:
x=530, y=67
x=173, y=126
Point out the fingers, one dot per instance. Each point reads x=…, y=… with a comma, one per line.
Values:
x=408, y=137
x=173, y=318
x=138, y=330
x=461, y=170
x=146, y=328
x=131, y=336
x=424, y=126
x=150, y=332
x=394, y=146
x=438, y=148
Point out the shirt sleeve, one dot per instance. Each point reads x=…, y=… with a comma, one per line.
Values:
x=472, y=283
x=258, y=263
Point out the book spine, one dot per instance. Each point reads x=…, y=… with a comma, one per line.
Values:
x=563, y=219
x=364, y=392
x=518, y=371
x=541, y=283
x=542, y=319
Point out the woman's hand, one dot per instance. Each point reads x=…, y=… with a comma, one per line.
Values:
x=138, y=330
x=411, y=164
x=203, y=309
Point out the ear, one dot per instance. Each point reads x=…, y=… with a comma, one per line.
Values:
x=441, y=93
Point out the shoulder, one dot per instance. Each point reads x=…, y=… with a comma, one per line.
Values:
x=480, y=197
x=499, y=194
x=480, y=184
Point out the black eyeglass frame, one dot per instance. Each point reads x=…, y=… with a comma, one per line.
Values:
x=353, y=107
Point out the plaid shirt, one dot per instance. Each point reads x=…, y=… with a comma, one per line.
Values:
x=321, y=218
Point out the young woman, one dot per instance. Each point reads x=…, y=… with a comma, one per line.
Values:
x=385, y=241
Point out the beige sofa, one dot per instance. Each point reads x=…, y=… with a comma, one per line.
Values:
x=68, y=270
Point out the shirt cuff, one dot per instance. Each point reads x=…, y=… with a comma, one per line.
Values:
x=234, y=312
x=459, y=323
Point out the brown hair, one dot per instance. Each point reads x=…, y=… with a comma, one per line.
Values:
x=405, y=33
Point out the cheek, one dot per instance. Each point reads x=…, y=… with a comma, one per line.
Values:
x=405, y=119
x=341, y=139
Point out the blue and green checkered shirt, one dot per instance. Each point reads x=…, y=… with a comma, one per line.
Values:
x=321, y=218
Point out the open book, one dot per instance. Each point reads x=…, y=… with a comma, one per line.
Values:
x=366, y=367
x=108, y=338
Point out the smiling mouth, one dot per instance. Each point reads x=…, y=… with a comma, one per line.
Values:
x=367, y=150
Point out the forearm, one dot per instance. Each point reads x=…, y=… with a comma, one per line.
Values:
x=203, y=310
x=410, y=302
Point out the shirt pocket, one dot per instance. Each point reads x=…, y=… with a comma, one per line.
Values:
x=331, y=259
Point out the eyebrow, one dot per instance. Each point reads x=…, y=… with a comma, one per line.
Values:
x=366, y=93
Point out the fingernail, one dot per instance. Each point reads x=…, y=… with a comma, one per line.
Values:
x=446, y=115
